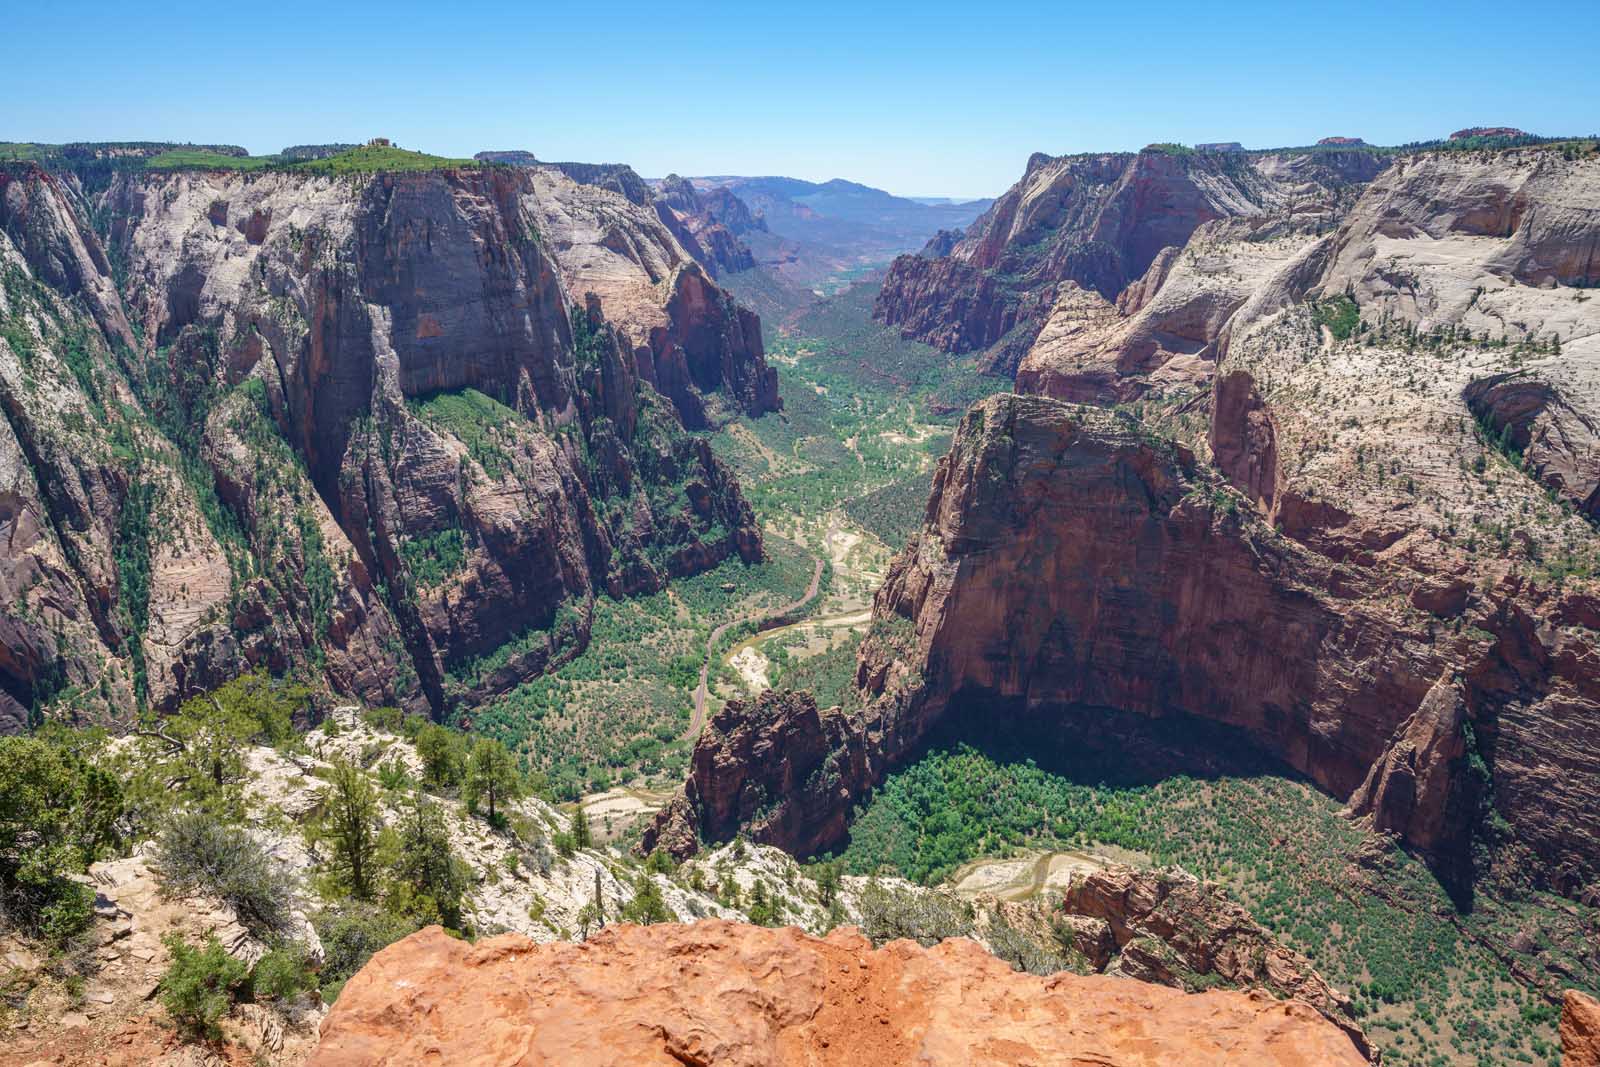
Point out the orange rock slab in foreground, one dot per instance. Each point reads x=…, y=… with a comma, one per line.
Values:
x=732, y=995
x=1580, y=1030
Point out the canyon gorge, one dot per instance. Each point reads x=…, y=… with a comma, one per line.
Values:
x=1152, y=616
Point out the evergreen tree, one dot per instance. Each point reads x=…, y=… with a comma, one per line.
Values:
x=580, y=830
x=350, y=824
x=440, y=753
x=429, y=881
x=492, y=775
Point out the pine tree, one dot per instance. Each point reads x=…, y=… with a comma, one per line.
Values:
x=492, y=775
x=350, y=824
x=580, y=830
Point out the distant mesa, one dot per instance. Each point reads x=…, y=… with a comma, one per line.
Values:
x=1219, y=146
x=1348, y=142
x=518, y=156
x=1488, y=131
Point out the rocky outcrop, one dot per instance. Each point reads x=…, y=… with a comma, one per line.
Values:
x=1163, y=335
x=365, y=423
x=1580, y=1030
x=517, y=157
x=776, y=765
x=708, y=224
x=1172, y=929
x=729, y=994
x=1488, y=131
x=688, y=337
x=1558, y=440
x=1097, y=221
x=1097, y=553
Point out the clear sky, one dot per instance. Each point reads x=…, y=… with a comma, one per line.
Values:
x=929, y=99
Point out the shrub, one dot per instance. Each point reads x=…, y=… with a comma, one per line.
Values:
x=428, y=881
x=647, y=905
x=199, y=985
x=57, y=813
x=282, y=974
x=198, y=855
x=925, y=917
x=387, y=718
x=441, y=753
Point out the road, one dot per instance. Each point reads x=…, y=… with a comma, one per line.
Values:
x=698, y=720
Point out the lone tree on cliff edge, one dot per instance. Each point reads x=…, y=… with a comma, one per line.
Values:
x=492, y=776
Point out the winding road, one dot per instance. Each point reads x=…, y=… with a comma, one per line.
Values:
x=698, y=720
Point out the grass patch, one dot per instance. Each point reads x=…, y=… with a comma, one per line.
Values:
x=475, y=419
x=1340, y=315
x=201, y=159
x=368, y=159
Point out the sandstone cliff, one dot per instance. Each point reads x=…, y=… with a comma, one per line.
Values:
x=1070, y=560
x=366, y=424
x=730, y=994
x=1099, y=222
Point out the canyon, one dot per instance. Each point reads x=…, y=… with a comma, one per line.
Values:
x=1207, y=466
x=1322, y=589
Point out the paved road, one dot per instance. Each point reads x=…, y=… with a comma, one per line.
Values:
x=698, y=720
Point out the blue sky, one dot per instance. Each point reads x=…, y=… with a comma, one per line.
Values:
x=924, y=99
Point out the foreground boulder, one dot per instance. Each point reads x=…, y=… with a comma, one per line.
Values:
x=729, y=994
x=1580, y=1030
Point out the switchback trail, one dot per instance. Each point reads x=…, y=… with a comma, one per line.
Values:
x=698, y=720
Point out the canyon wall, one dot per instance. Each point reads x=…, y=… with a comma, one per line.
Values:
x=1097, y=222
x=384, y=425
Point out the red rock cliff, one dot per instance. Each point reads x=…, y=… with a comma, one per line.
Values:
x=742, y=996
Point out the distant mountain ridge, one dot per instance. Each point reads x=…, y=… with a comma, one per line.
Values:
x=805, y=210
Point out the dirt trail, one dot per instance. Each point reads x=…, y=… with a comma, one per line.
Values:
x=698, y=720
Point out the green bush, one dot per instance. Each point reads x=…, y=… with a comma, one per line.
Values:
x=198, y=855
x=1340, y=315
x=282, y=974
x=199, y=986
x=443, y=755
x=647, y=905
x=427, y=882
x=58, y=812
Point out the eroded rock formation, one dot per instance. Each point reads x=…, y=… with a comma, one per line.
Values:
x=776, y=764
x=389, y=425
x=1172, y=929
x=1099, y=222
x=729, y=994
x=708, y=224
